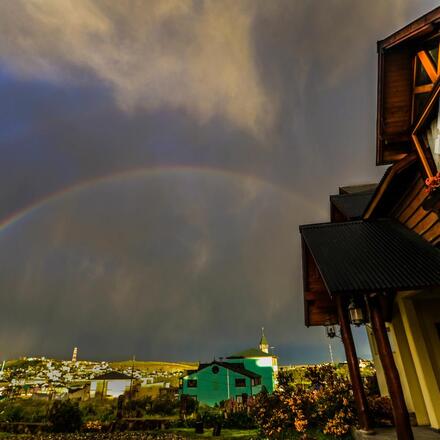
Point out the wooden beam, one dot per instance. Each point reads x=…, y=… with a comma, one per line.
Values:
x=427, y=64
x=400, y=411
x=424, y=89
x=353, y=366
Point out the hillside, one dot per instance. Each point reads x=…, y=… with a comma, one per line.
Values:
x=153, y=365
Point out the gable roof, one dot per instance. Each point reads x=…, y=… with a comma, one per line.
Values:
x=392, y=186
x=371, y=256
x=352, y=206
x=416, y=29
x=395, y=86
x=236, y=367
x=250, y=353
x=112, y=375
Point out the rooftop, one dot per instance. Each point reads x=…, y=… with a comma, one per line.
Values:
x=371, y=256
x=112, y=375
x=352, y=205
x=236, y=367
x=250, y=353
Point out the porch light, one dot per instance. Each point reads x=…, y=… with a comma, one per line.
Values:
x=330, y=331
x=356, y=314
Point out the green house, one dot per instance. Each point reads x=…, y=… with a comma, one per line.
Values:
x=236, y=377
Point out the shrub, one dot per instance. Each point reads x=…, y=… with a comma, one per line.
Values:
x=210, y=416
x=381, y=410
x=98, y=410
x=20, y=410
x=65, y=416
x=164, y=405
x=326, y=404
x=239, y=420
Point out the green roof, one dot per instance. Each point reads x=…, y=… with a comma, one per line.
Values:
x=250, y=353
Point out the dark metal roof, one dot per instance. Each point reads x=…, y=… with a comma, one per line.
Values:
x=112, y=375
x=236, y=367
x=352, y=205
x=371, y=256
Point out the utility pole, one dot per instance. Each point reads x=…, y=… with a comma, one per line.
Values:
x=331, y=352
x=131, y=379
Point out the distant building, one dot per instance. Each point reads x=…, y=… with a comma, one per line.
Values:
x=110, y=385
x=237, y=377
x=75, y=354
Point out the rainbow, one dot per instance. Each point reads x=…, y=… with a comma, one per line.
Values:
x=22, y=213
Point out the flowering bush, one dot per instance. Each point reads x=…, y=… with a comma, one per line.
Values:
x=93, y=425
x=324, y=404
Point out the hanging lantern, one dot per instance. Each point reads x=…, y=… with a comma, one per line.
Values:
x=330, y=331
x=356, y=314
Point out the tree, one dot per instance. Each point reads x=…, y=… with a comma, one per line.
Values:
x=65, y=416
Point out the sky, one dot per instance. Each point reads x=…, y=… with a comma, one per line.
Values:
x=157, y=158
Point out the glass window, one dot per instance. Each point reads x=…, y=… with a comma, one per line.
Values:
x=433, y=53
x=422, y=77
x=240, y=383
x=192, y=383
x=432, y=136
x=256, y=381
x=420, y=100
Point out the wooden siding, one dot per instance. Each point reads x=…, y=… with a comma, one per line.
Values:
x=410, y=213
x=394, y=105
x=319, y=308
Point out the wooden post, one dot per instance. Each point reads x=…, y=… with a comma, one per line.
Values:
x=353, y=366
x=400, y=411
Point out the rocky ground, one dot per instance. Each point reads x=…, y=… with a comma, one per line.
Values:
x=132, y=435
x=97, y=436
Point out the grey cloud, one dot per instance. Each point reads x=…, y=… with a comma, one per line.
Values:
x=195, y=56
x=133, y=274
x=277, y=96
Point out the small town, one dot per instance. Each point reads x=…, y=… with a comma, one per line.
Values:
x=169, y=398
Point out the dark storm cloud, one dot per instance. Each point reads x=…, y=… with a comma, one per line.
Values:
x=186, y=264
x=156, y=277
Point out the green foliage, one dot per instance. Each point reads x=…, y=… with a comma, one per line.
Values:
x=98, y=410
x=210, y=416
x=240, y=420
x=19, y=410
x=164, y=405
x=192, y=405
x=65, y=416
x=381, y=410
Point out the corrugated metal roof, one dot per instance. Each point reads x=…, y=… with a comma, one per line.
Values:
x=371, y=256
x=352, y=205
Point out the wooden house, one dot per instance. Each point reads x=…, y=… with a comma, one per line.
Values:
x=235, y=377
x=378, y=261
